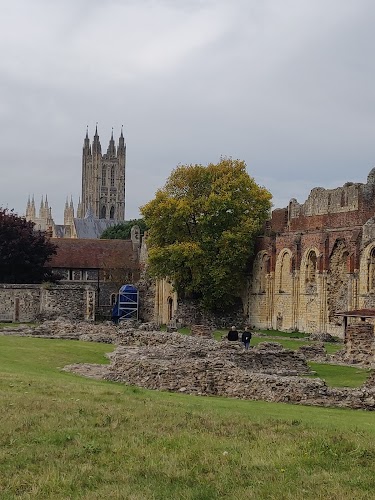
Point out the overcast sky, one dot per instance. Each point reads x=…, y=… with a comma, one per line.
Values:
x=286, y=85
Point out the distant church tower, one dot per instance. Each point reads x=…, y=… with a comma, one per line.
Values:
x=103, y=179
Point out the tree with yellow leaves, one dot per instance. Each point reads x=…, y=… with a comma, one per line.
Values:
x=203, y=224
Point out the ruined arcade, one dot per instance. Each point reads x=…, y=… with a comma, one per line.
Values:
x=316, y=259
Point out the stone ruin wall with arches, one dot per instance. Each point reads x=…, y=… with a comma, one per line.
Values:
x=314, y=260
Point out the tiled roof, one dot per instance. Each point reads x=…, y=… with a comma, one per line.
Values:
x=92, y=228
x=94, y=254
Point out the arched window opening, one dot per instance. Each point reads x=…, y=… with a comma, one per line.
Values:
x=112, y=176
x=263, y=274
x=284, y=283
x=112, y=213
x=103, y=212
x=311, y=267
x=170, y=308
x=104, y=176
x=371, y=271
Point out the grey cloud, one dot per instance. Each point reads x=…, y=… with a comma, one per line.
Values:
x=286, y=86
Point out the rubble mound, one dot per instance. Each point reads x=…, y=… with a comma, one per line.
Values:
x=322, y=337
x=202, y=366
x=62, y=328
x=314, y=352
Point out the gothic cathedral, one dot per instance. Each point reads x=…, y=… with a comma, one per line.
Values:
x=103, y=179
x=102, y=201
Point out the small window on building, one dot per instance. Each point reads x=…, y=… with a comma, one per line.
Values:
x=112, y=176
x=112, y=213
x=104, y=173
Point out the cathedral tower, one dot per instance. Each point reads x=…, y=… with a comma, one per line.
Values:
x=103, y=179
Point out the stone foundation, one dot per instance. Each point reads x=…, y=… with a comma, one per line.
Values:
x=201, y=331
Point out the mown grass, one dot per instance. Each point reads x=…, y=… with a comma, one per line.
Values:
x=340, y=376
x=66, y=437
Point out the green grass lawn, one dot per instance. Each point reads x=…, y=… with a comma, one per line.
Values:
x=340, y=376
x=67, y=437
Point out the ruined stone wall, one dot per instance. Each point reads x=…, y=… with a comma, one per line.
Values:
x=27, y=303
x=19, y=302
x=360, y=343
x=330, y=243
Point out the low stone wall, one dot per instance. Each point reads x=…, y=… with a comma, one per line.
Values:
x=173, y=362
x=28, y=303
x=201, y=331
x=199, y=365
x=62, y=328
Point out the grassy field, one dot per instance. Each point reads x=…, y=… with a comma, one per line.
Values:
x=66, y=437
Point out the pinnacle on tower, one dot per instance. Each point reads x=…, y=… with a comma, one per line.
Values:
x=111, y=148
x=96, y=147
x=121, y=144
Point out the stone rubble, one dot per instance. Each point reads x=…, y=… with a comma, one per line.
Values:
x=200, y=365
x=173, y=362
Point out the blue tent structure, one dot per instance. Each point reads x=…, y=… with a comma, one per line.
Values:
x=126, y=306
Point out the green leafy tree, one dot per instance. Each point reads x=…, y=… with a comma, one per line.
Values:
x=23, y=251
x=121, y=231
x=203, y=225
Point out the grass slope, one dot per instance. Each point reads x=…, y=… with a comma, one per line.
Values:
x=66, y=437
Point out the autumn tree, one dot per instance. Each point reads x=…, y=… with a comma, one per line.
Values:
x=203, y=225
x=23, y=251
x=122, y=230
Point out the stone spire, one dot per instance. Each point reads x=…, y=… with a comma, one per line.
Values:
x=121, y=144
x=96, y=147
x=86, y=143
x=111, y=151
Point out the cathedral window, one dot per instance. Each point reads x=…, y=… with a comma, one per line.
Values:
x=112, y=176
x=104, y=176
x=112, y=213
x=103, y=213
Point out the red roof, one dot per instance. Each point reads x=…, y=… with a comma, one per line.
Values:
x=94, y=254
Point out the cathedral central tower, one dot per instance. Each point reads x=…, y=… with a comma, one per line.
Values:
x=103, y=179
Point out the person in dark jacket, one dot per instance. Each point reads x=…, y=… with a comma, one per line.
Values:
x=246, y=337
x=233, y=334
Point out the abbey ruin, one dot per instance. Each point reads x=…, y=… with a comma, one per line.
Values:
x=314, y=260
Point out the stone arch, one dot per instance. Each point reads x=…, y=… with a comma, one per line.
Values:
x=337, y=281
x=260, y=272
x=283, y=271
x=367, y=270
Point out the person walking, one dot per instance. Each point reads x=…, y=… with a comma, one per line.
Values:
x=246, y=337
x=233, y=334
